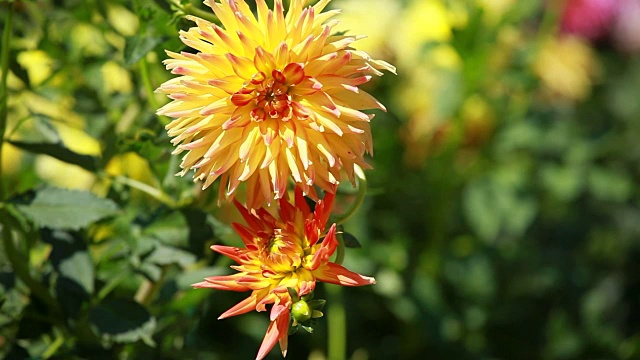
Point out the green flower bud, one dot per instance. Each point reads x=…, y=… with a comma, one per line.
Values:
x=301, y=311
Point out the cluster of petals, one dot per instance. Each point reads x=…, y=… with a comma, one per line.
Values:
x=290, y=250
x=270, y=98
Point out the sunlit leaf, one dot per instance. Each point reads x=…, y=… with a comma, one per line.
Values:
x=67, y=209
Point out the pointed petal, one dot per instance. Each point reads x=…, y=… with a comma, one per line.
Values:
x=277, y=330
x=229, y=251
x=328, y=247
x=336, y=274
x=229, y=282
x=242, y=307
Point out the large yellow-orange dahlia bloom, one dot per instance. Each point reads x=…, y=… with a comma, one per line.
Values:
x=269, y=98
x=288, y=251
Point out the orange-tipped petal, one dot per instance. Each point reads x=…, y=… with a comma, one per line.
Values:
x=336, y=274
x=229, y=251
x=242, y=307
x=277, y=330
x=229, y=282
x=328, y=247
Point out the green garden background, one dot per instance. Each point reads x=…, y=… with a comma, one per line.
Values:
x=501, y=219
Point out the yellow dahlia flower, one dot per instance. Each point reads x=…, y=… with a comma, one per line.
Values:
x=270, y=97
x=288, y=251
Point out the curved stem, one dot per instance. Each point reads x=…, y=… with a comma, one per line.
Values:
x=209, y=16
x=361, y=182
x=340, y=250
x=4, y=93
x=149, y=190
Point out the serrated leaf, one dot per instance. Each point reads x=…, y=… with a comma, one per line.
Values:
x=122, y=321
x=59, y=151
x=67, y=209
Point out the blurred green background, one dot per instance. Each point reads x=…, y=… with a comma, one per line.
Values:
x=501, y=222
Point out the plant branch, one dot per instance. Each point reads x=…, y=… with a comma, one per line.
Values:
x=4, y=93
x=361, y=182
x=149, y=190
x=336, y=323
x=149, y=289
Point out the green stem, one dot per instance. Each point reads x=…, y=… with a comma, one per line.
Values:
x=189, y=9
x=149, y=88
x=149, y=289
x=149, y=190
x=336, y=317
x=146, y=81
x=361, y=182
x=340, y=250
x=4, y=93
x=337, y=323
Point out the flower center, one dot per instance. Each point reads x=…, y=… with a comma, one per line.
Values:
x=276, y=242
x=270, y=97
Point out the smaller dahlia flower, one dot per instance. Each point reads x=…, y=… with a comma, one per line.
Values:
x=282, y=255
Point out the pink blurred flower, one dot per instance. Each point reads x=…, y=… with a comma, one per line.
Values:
x=591, y=19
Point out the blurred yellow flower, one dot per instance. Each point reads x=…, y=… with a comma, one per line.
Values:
x=88, y=40
x=269, y=98
x=124, y=21
x=567, y=66
x=131, y=165
x=115, y=78
x=376, y=18
x=422, y=22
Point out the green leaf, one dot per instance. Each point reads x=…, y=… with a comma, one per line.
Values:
x=166, y=255
x=70, y=257
x=223, y=231
x=122, y=321
x=67, y=209
x=138, y=46
x=59, y=151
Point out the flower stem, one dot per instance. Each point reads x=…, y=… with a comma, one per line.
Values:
x=149, y=190
x=361, y=181
x=192, y=10
x=149, y=289
x=337, y=323
x=149, y=89
x=4, y=93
